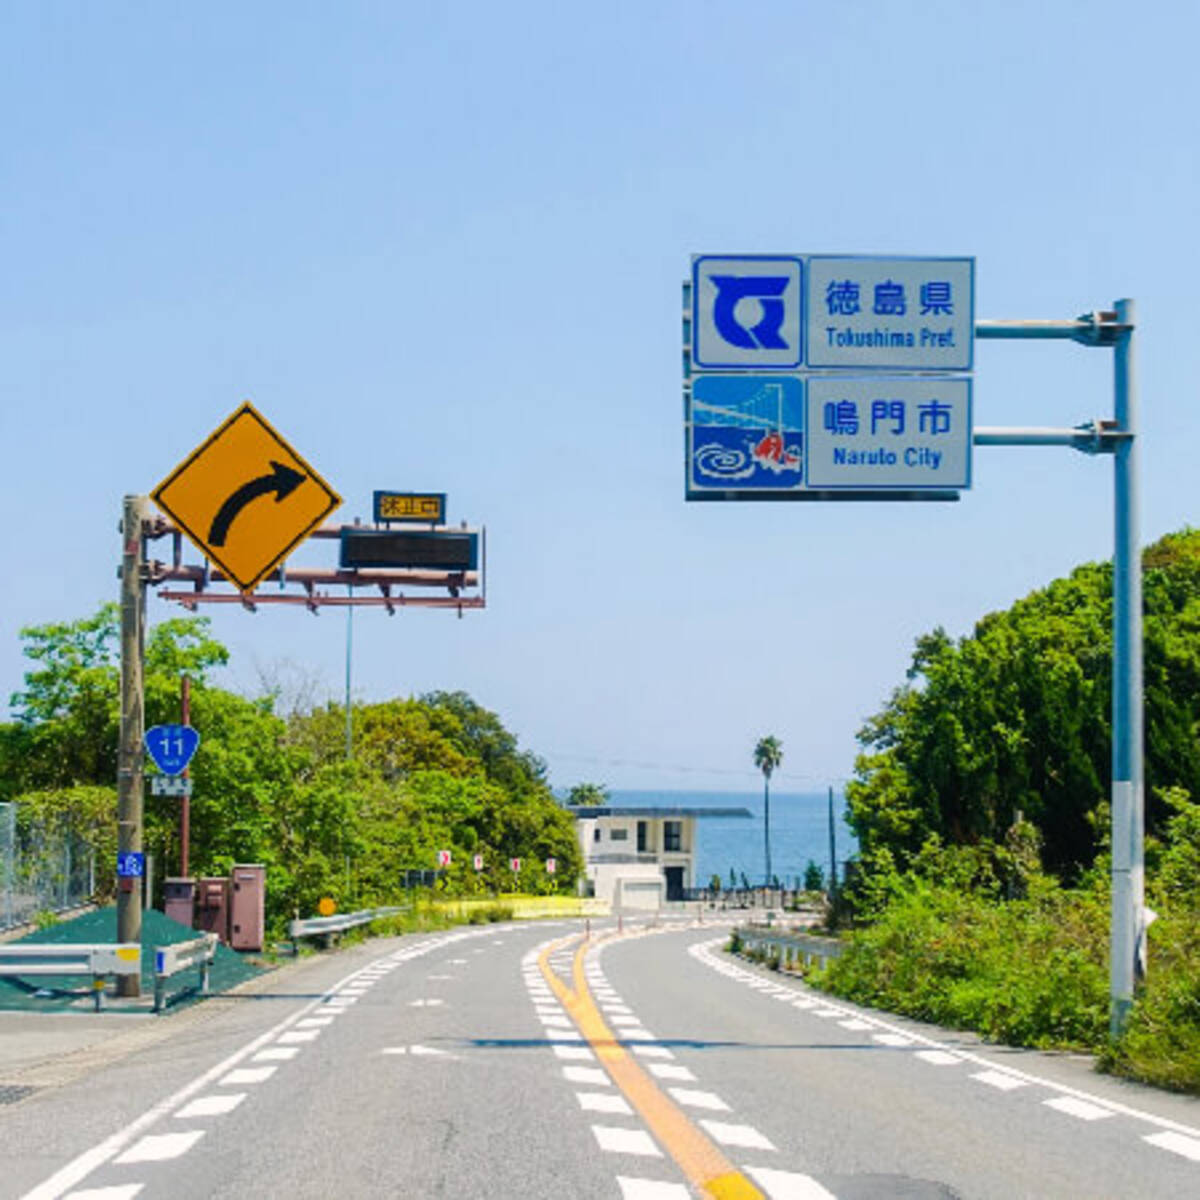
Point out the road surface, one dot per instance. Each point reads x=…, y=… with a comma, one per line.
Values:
x=523, y=1061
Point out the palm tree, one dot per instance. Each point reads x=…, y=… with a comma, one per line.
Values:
x=768, y=754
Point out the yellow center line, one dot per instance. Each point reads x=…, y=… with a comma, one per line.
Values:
x=698, y=1157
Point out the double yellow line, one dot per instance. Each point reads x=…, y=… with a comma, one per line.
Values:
x=705, y=1167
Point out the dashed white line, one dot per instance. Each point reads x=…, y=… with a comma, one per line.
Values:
x=671, y=1071
x=998, y=1079
x=939, y=1058
x=626, y=1141
x=593, y=1075
x=276, y=1054
x=576, y=1052
x=159, y=1147
x=211, y=1106
x=745, y=1136
x=892, y=1039
x=697, y=1099
x=651, y=1189
x=605, y=1102
x=1177, y=1143
x=297, y=1036
x=245, y=1075
x=855, y=1024
x=788, y=1185
x=1078, y=1108
x=124, y=1192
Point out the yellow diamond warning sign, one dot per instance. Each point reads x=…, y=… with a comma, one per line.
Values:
x=245, y=498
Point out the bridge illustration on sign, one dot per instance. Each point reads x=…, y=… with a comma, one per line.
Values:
x=747, y=431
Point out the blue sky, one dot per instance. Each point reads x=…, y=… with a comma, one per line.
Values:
x=440, y=246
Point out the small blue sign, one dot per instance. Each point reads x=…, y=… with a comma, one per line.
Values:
x=131, y=865
x=171, y=747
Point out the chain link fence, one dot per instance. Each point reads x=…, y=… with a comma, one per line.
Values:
x=40, y=872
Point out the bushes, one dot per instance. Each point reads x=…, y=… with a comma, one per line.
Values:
x=1028, y=972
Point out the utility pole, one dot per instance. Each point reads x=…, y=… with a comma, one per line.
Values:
x=832, y=849
x=133, y=721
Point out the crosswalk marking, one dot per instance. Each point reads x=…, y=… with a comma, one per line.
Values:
x=650, y=1189
x=788, y=1185
x=745, y=1136
x=698, y=1099
x=605, y=1102
x=595, y=1075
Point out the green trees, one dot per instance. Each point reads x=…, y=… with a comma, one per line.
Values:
x=1012, y=722
x=431, y=773
x=587, y=794
x=768, y=754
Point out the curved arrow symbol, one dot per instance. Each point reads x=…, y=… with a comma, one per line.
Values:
x=282, y=480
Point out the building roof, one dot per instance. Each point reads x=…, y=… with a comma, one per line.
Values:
x=588, y=811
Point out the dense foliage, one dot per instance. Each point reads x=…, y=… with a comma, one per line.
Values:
x=439, y=772
x=1014, y=720
x=981, y=891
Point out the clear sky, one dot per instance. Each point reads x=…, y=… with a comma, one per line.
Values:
x=441, y=247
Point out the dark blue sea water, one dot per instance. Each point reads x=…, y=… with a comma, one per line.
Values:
x=799, y=831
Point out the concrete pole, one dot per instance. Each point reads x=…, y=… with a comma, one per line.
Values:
x=130, y=752
x=1128, y=880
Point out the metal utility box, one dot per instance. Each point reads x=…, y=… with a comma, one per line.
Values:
x=247, y=922
x=179, y=900
x=212, y=907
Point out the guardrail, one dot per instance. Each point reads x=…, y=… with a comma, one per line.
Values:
x=170, y=960
x=98, y=960
x=327, y=926
x=792, y=948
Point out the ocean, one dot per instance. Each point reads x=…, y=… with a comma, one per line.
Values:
x=799, y=831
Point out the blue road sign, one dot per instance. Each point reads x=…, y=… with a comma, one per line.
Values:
x=748, y=311
x=131, y=865
x=171, y=747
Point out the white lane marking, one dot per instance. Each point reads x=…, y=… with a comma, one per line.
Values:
x=652, y=1051
x=394, y=1050
x=276, y=1054
x=563, y=1035
x=826, y=1012
x=577, y=1052
x=626, y=1020
x=626, y=1141
x=617, y=1009
x=670, y=1071
x=998, y=1079
x=1078, y=1108
x=939, y=1058
x=159, y=1147
x=703, y=952
x=651, y=1189
x=124, y=1192
x=637, y=1035
x=745, y=1136
x=247, y=1075
x=329, y=1011
x=593, y=1075
x=434, y=1003
x=563, y=1022
x=457, y=962
x=1176, y=1143
x=788, y=1185
x=605, y=1102
x=211, y=1106
x=697, y=1099
x=892, y=1039
x=314, y=1022
x=855, y=1024
x=431, y=1052
x=441, y=978
x=295, y=1036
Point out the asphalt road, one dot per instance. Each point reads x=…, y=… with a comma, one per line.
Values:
x=514, y=1061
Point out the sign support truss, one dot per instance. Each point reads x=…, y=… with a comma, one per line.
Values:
x=1117, y=436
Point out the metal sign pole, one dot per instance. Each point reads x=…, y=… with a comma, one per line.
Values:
x=1119, y=438
x=1128, y=881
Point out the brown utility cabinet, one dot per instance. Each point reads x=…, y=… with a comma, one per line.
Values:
x=247, y=906
x=212, y=906
x=179, y=900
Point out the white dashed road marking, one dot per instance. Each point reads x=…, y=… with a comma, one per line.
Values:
x=697, y=1099
x=939, y=1058
x=998, y=1079
x=745, y=1136
x=605, y=1102
x=1177, y=1143
x=651, y=1189
x=1078, y=1108
x=159, y=1147
x=787, y=1185
x=626, y=1141
x=210, y=1106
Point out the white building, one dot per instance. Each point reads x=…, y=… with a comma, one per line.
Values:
x=641, y=857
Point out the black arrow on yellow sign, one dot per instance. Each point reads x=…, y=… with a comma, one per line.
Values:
x=282, y=480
